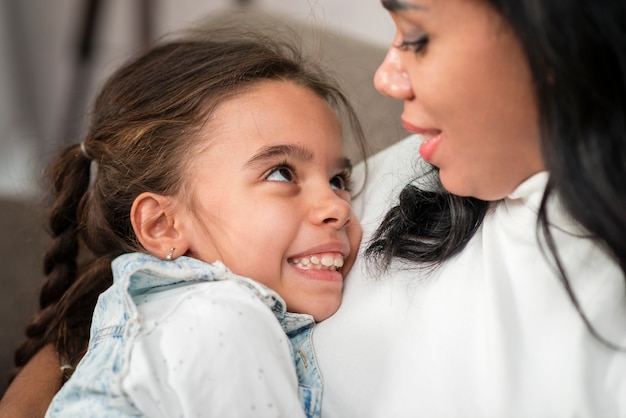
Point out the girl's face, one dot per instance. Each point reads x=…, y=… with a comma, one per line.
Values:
x=467, y=90
x=270, y=196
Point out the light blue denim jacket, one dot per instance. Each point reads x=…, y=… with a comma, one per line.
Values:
x=115, y=324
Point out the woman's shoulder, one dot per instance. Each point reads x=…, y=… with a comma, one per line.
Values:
x=379, y=180
x=406, y=147
x=397, y=158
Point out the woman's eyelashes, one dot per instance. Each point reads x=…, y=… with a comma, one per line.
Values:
x=417, y=45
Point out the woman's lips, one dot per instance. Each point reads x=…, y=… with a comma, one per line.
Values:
x=416, y=129
x=429, y=146
x=430, y=139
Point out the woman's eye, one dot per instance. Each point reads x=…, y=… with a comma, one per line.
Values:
x=417, y=46
x=284, y=174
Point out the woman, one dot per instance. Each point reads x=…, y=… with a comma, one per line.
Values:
x=501, y=293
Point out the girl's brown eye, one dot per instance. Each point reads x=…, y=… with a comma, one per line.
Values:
x=341, y=182
x=282, y=173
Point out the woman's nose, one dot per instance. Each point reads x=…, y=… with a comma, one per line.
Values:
x=391, y=79
x=331, y=210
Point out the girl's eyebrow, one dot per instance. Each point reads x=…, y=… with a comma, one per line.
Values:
x=272, y=152
x=395, y=5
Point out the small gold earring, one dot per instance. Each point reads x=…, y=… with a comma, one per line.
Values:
x=169, y=256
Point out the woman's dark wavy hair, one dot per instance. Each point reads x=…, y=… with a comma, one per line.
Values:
x=143, y=130
x=577, y=55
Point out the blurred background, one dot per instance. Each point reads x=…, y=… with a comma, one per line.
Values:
x=54, y=54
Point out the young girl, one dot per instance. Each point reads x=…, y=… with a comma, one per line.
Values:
x=209, y=158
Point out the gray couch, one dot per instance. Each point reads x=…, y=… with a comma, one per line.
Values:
x=22, y=222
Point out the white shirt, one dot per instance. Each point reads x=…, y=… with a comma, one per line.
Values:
x=490, y=334
x=213, y=330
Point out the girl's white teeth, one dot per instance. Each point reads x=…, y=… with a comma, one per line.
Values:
x=327, y=261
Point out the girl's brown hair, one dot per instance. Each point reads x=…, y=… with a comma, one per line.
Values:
x=142, y=132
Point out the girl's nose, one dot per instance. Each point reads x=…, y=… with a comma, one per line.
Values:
x=391, y=79
x=331, y=210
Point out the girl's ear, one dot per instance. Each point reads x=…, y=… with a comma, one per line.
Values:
x=155, y=220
